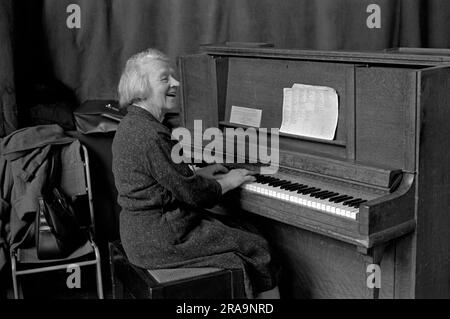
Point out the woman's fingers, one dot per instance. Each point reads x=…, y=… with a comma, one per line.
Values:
x=242, y=171
x=246, y=175
x=249, y=178
x=219, y=169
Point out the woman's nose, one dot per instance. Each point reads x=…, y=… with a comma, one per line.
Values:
x=174, y=82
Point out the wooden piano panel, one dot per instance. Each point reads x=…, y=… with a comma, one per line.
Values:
x=199, y=91
x=433, y=205
x=316, y=266
x=385, y=116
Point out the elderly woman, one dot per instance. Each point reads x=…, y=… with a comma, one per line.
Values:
x=162, y=224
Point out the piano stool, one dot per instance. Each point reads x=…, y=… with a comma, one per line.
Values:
x=132, y=282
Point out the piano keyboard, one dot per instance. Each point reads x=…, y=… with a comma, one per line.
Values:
x=306, y=195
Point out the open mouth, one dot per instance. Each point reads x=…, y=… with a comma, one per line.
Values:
x=171, y=94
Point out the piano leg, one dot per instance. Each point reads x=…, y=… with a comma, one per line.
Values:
x=372, y=258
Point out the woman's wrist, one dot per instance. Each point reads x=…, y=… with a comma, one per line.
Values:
x=224, y=185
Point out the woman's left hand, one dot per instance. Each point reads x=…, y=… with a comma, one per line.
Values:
x=214, y=171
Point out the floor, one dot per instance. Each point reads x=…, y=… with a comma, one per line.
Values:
x=53, y=285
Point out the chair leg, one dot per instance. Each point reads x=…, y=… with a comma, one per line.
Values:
x=17, y=288
x=14, y=277
x=99, y=283
x=98, y=274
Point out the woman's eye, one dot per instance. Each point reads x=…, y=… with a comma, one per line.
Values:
x=165, y=79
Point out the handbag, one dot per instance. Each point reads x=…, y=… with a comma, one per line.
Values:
x=98, y=116
x=58, y=232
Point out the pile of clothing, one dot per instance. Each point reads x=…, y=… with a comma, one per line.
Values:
x=24, y=159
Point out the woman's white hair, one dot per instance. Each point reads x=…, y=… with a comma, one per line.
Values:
x=134, y=83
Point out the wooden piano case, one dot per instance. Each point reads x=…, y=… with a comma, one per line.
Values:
x=393, y=137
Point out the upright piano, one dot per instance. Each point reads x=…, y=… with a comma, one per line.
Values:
x=377, y=194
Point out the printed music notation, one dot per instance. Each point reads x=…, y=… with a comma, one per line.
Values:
x=310, y=111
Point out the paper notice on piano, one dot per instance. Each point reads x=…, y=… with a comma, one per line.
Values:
x=310, y=111
x=245, y=116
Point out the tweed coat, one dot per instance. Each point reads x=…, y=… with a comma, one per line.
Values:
x=162, y=221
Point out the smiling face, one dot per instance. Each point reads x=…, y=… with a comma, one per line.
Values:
x=163, y=86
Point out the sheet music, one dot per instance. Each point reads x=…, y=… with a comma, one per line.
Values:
x=310, y=110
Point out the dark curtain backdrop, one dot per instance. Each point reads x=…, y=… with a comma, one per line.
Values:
x=89, y=60
x=8, y=109
x=37, y=50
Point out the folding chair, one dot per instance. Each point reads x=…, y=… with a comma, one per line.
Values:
x=76, y=183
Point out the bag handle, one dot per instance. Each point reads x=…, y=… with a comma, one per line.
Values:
x=53, y=172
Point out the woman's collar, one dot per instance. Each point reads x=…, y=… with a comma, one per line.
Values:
x=148, y=111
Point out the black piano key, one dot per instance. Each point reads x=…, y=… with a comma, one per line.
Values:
x=329, y=195
x=286, y=186
x=303, y=186
x=312, y=190
x=351, y=201
x=275, y=180
x=306, y=188
x=331, y=199
x=271, y=180
x=285, y=183
x=342, y=199
x=332, y=194
x=315, y=192
x=335, y=196
x=318, y=194
x=278, y=183
x=357, y=204
x=292, y=186
x=299, y=186
x=348, y=197
x=263, y=179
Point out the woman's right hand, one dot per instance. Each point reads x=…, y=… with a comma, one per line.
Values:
x=235, y=178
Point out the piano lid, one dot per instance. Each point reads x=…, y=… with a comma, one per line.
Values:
x=406, y=56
